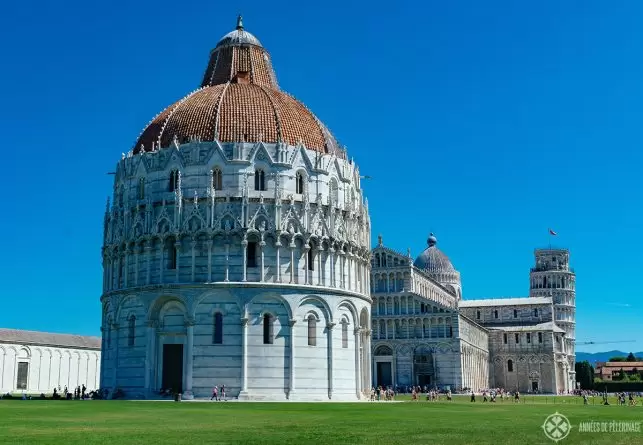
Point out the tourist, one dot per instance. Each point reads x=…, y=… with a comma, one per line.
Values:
x=473, y=396
x=222, y=397
x=215, y=394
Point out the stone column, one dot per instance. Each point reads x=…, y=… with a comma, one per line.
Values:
x=244, y=244
x=125, y=269
x=148, y=256
x=358, y=370
x=177, y=245
x=243, y=395
x=210, y=245
x=318, y=255
x=137, y=253
x=368, y=360
x=193, y=245
x=161, y=261
x=329, y=328
x=292, y=263
x=277, y=246
x=291, y=366
x=349, y=261
x=331, y=268
x=262, y=244
x=150, y=363
x=227, y=261
x=115, y=326
x=306, y=271
x=189, y=362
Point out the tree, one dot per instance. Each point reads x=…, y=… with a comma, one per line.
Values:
x=617, y=359
x=584, y=374
x=630, y=358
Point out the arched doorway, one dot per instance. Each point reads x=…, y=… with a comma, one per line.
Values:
x=383, y=366
x=423, y=371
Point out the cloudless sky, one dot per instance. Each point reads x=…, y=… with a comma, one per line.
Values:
x=484, y=122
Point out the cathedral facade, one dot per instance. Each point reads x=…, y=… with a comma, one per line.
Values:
x=425, y=333
x=237, y=246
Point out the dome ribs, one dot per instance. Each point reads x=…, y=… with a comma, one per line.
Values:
x=223, y=67
x=247, y=115
x=261, y=69
x=190, y=118
x=298, y=124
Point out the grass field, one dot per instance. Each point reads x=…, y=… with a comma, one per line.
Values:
x=158, y=423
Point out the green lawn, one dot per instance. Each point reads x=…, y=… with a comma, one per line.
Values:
x=157, y=423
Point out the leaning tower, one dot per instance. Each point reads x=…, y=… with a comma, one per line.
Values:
x=552, y=277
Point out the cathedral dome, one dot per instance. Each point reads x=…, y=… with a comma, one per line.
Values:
x=433, y=260
x=239, y=101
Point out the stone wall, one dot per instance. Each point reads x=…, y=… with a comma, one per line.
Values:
x=48, y=367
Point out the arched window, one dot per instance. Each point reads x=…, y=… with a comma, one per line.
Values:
x=504, y=338
x=515, y=313
x=311, y=259
x=217, y=179
x=217, y=334
x=344, y=334
x=141, y=188
x=510, y=366
x=131, y=331
x=312, y=330
x=174, y=180
x=334, y=193
x=540, y=337
x=535, y=312
x=172, y=256
x=544, y=282
x=517, y=338
x=260, y=179
x=478, y=315
x=251, y=254
x=299, y=186
x=268, y=322
x=495, y=314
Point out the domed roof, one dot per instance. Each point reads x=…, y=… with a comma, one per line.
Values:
x=237, y=113
x=238, y=37
x=239, y=101
x=433, y=260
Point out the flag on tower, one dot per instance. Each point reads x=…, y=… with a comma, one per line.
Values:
x=551, y=232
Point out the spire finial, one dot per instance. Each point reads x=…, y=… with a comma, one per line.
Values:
x=379, y=240
x=432, y=241
x=239, y=22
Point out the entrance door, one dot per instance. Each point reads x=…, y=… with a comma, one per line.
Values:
x=534, y=386
x=384, y=376
x=424, y=380
x=173, y=367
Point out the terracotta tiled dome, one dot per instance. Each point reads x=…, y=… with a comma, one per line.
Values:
x=239, y=101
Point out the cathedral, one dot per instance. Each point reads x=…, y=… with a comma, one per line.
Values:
x=236, y=247
x=425, y=333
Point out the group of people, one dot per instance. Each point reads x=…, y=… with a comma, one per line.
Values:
x=80, y=393
x=218, y=393
x=489, y=395
x=382, y=393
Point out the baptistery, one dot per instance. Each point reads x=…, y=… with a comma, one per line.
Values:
x=236, y=247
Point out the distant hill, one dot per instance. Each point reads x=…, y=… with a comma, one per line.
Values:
x=602, y=356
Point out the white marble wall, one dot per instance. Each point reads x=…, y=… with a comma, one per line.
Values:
x=49, y=367
x=289, y=368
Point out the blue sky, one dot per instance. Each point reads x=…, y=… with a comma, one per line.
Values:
x=484, y=122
